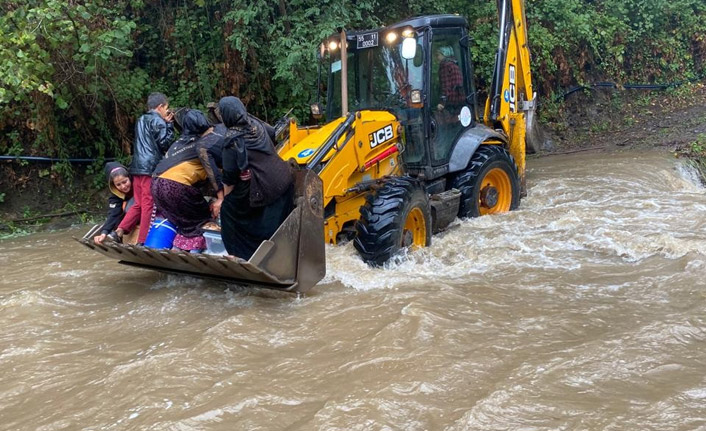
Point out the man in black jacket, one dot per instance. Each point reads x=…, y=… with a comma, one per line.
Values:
x=154, y=133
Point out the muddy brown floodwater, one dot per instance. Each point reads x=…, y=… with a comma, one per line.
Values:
x=583, y=310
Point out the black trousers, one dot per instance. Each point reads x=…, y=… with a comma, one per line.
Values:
x=243, y=228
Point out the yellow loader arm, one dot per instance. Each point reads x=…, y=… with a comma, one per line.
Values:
x=511, y=104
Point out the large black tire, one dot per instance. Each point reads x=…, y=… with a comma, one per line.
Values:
x=394, y=217
x=489, y=184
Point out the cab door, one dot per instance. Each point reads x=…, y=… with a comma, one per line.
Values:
x=449, y=87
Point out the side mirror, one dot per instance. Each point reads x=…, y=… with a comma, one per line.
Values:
x=409, y=48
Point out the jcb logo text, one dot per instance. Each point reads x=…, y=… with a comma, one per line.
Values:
x=380, y=136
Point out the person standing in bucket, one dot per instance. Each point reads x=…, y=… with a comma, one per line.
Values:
x=120, y=186
x=193, y=159
x=154, y=132
x=258, y=184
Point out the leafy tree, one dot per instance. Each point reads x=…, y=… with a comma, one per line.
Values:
x=74, y=75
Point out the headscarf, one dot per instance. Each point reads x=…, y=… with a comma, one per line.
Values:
x=113, y=169
x=179, y=118
x=245, y=132
x=233, y=112
x=194, y=123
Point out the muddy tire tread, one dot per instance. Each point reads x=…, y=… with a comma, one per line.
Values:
x=379, y=229
x=467, y=180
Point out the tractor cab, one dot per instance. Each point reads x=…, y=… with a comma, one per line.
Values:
x=420, y=71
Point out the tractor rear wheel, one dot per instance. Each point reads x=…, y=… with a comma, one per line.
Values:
x=395, y=216
x=489, y=184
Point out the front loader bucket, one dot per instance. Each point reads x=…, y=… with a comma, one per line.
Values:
x=293, y=259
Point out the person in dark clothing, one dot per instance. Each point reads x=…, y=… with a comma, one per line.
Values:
x=258, y=184
x=193, y=159
x=120, y=186
x=214, y=117
x=178, y=118
x=154, y=133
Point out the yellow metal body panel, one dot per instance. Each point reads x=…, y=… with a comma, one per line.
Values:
x=370, y=137
x=347, y=211
x=303, y=142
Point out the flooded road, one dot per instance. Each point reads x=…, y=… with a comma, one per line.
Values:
x=583, y=310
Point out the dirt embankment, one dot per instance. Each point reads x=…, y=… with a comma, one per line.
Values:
x=33, y=196
x=37, y=197
x=622, y=119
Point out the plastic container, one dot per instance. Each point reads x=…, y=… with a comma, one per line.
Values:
x=214, y=243
x=161, y=234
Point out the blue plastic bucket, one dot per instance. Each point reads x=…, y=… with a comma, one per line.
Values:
x=161, y=234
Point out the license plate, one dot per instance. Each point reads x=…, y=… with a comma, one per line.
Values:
x=367, y=40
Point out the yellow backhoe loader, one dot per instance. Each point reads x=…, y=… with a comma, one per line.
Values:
x=404, y=152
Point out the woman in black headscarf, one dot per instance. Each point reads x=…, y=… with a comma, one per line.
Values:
x=192, y=159
x=258, y=184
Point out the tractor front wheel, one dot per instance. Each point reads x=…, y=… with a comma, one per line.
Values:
x=395, y=216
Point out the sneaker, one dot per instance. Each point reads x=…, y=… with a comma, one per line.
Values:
x=113, y=237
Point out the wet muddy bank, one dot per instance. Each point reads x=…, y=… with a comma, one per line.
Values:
x=614, y=119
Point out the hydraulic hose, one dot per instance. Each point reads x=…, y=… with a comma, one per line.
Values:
x=593, y=86
x=53, y=159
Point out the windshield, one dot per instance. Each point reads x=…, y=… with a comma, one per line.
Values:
x=378, y=78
